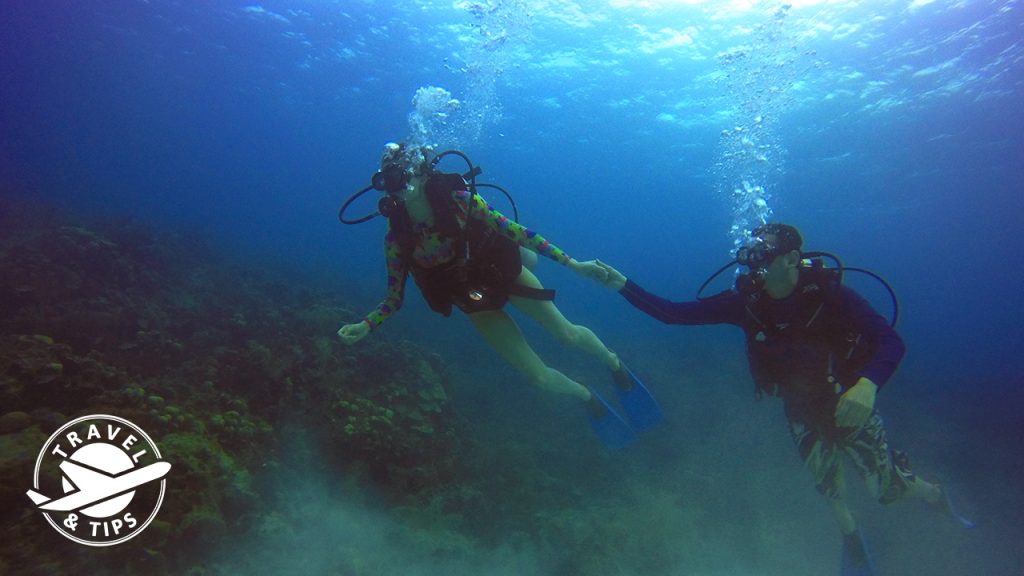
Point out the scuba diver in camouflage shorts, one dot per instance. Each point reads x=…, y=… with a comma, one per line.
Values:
x=819, y=346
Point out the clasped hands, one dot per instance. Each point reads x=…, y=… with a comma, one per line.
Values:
x=599, y=272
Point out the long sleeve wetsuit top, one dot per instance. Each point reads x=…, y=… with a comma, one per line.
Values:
x=431, y=249
x=731, y=308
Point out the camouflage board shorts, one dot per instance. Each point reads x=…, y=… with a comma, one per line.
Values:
x=887, y=473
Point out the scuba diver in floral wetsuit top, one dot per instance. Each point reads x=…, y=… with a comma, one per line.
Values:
x=461, y=252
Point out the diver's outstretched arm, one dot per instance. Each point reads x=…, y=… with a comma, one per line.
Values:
x=352, y=333
x=498, y=222
x=398, y=271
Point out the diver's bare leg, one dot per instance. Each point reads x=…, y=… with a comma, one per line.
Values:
x=502, y=333
x=545, y=313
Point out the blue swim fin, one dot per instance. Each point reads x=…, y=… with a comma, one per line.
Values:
x=640, y=407
x=856, y=559
x=607, y=424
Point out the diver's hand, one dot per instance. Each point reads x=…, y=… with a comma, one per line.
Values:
x=856, y=404
x=588, y=269
x=613, y=278
x=352, y=333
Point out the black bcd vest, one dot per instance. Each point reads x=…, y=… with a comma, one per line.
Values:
x=486, y=263
x=811, y=355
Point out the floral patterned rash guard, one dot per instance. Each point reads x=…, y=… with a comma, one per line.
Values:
x=430, y=249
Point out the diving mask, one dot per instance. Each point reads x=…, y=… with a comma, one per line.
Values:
x=392, y=178
x=758, y=254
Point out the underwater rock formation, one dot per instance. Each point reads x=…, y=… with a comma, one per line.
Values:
x=209, y=358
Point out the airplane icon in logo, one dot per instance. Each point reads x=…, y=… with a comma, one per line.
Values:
x=95, y=487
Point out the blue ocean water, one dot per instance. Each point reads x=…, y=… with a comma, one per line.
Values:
x=645, y=133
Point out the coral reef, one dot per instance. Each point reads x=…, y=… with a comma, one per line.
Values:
x=207, y=357
x=218, y=362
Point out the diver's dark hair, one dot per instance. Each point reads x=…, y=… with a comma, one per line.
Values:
x=786, y=237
